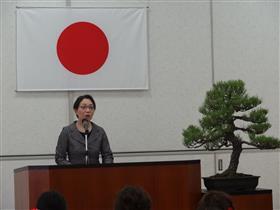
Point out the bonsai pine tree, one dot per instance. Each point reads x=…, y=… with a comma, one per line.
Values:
x=228, y=111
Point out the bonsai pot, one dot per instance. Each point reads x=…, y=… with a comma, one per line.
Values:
x=231, y=184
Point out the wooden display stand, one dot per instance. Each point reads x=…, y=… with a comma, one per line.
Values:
x=172, y=185
x=259, y=199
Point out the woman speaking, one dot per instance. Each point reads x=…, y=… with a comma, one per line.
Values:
x=82, y=142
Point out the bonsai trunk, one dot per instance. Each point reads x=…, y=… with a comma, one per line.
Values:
x=234, y=159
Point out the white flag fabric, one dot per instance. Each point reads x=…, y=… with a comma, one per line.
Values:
x=81, y=49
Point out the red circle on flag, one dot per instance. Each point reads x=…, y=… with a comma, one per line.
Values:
x=82, y=48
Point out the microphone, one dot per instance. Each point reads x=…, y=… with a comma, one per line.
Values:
x=86, y=124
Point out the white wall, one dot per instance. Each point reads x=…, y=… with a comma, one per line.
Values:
x=245, y=46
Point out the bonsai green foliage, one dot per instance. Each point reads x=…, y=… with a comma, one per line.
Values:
x=226, y=104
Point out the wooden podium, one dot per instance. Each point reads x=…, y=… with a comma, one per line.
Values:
x=171, y=184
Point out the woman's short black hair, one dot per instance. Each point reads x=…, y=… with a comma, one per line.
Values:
x=80, y=98
x=51, y=200
x=133, y=198
x=215, y=200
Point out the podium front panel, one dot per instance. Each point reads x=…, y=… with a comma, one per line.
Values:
x=171, y=185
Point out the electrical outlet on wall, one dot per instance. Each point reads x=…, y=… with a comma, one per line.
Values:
x=220, y=164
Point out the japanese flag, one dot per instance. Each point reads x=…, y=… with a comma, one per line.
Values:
x=81, y=49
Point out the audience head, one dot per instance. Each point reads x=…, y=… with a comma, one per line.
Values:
x=133, y=198
x=215, y=200
x=51, y=200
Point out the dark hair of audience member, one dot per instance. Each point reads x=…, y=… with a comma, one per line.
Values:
x=51, y=200
x=215, y=200
x=133, y=198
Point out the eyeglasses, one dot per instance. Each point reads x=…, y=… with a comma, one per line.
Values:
x=84, y=107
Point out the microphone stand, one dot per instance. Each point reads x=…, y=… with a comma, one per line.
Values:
x=86, y=144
